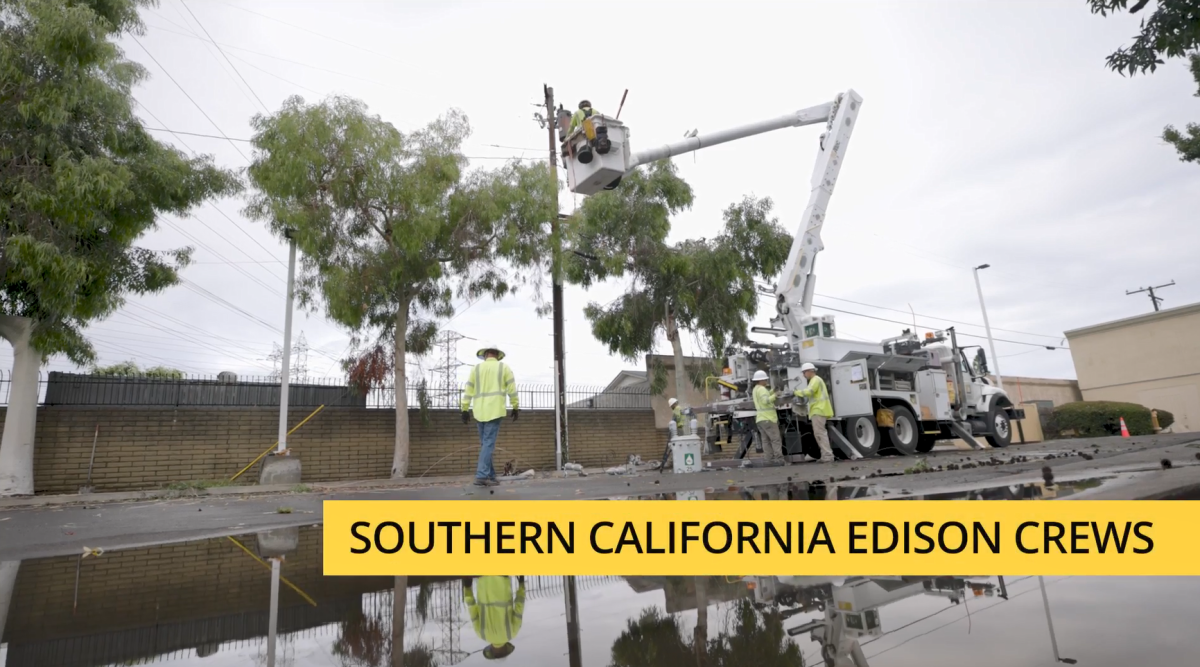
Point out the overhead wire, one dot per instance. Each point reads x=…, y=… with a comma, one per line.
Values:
x=218, y=46
x=926, y=326
x=314, y=32
x=209, y=248
x=238, y=247
x=190, y=99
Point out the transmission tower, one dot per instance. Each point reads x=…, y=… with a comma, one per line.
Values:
x=298, y=363
x=446, y=615
x=444, y=376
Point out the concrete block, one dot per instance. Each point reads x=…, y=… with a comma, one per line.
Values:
x=278, y=542
x=280, y=470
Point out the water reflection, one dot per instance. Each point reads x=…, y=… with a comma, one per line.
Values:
x=260, y=599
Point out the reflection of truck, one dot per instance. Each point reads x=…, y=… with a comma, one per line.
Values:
x=902, y=394
x=850, y=606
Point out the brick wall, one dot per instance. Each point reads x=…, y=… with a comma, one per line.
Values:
x=140, y=448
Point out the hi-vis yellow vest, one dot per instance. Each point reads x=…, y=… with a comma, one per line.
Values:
x=764, y=403
x=489, y=383
x=818, y=398
x=495, y=615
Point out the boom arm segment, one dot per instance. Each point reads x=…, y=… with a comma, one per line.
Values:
x=809, y=116
x=794, y=292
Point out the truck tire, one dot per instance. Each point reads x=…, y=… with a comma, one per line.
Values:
x=999, y=433
x=863, y=434
x=905, y=434
x=927, y=442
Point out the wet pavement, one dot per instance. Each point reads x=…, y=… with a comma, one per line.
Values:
x=210, y=602
x=1127, y=468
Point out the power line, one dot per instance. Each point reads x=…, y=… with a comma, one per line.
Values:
x=208, y=49
x=242, y=230
x=944, y=319
x=238, y=247
x=147, y=110
x=185, y=93
x=313, y=32
x=926, y=326
x=237, y=268
x=235, y=69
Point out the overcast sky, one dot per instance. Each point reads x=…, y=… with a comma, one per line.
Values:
x=990, y=132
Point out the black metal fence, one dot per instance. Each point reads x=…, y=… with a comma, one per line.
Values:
x=61, y=389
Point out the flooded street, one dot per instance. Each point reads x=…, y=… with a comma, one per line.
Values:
x=210, y=602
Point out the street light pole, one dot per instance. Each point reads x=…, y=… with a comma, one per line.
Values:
x=285, y=370
x=987, y=326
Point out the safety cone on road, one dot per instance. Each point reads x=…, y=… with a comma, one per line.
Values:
x=1124, y=430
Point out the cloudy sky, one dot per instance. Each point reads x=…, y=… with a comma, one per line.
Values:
x=990, y=132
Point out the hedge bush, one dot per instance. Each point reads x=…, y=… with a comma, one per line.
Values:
x=1088, y=418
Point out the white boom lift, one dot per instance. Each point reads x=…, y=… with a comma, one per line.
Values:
x=913, y=391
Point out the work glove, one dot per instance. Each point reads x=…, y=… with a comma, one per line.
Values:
x=516, y=413
x=466, y=416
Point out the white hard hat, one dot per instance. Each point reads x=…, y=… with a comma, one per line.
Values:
x=671, y=402
x=760, y=375
x=807, y=367
x=482, y=353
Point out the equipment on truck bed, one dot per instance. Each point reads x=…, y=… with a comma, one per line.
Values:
x=901, y=395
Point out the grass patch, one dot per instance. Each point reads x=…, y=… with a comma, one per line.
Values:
x=198, y=484
x=283, y=510
x=920, y=467
x=301, y=488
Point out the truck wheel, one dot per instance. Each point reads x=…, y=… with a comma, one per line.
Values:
x=863, y=435
x=927, y=442
x=999, y=427
x=905, y=434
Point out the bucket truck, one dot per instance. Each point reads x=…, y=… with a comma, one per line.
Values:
x=900, y=395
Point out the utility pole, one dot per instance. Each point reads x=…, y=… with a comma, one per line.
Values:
x=561, y=450
x=1153, y=299
x=285, y=371
x=988, y=327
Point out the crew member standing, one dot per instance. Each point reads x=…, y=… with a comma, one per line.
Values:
x=819, y=409
x=767, y=419
x=488, y=384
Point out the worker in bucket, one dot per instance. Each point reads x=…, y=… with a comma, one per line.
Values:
x=819, y=409
x=767, y=419
x=487, y=386
x=585, y=111
x=495, y=612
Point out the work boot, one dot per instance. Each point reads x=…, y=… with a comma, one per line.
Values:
x=480, y=482
x=491, y=482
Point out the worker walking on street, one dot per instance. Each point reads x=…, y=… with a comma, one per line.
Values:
x=767, y=419
x=496, y=613
x=487, y=386
x=819, y=409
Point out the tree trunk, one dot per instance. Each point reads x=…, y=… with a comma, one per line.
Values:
x=400, y=456
x=680, y=371
x=700, y=635
x=399, y=601
x=16, y=447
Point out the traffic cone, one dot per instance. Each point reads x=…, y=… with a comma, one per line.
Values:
x=1124, y=430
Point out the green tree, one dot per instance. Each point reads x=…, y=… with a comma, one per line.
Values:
x=131, y=369
x=705, y=286
x=392, y=226
x=1172, y=30
x=80, y=182
x=651, y=640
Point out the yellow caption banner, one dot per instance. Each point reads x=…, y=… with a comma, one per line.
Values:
x=762, y=537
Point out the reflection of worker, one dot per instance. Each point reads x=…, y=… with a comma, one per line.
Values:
x=819, y=409
x=487, y=386
x=585, y=111
x=767, y=419
x=495, y=613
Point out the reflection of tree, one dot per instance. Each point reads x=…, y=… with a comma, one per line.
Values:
x=362, y=641
x=653, y=639
x=756, y=639
x=753, y=638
